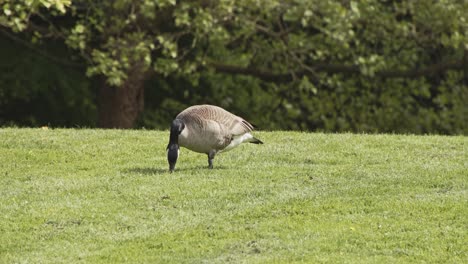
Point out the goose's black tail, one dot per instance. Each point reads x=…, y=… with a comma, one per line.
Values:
x=255, y=141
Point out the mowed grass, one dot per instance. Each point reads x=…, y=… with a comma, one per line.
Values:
x=105, y=196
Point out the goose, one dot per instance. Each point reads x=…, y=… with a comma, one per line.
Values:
x=207, y=129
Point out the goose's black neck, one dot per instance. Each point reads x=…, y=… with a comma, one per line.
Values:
x=176, y=128
x=173, y=147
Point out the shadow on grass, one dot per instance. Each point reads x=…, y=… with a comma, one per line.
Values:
x=146, y=171
x=159, y=171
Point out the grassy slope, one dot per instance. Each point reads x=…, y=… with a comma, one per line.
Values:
x=105, y=196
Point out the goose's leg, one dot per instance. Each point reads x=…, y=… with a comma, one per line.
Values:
x=211, y=156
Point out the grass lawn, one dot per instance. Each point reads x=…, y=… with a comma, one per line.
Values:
x=105, y=196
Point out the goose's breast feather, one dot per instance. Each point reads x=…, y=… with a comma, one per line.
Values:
x=203, y=140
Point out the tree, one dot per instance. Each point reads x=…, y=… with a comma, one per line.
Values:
x=37, y=90
x=17, y=13
x=311, y=46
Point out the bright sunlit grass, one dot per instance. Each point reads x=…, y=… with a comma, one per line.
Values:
x=105, y=196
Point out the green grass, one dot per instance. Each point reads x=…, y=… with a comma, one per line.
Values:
x=105, y=196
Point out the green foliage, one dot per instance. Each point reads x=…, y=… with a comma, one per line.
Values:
x=15, y=14
x=37, y=91
x=408, y=107
x=379, y=38
x=391, y=105
x=78, y=196
x=343, y=65
x=128, y=33
x=241, y=95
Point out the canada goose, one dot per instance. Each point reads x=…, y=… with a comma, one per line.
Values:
x=207, y=129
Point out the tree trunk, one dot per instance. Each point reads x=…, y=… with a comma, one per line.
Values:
x=119, y=107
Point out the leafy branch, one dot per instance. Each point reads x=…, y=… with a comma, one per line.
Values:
x=270, y=76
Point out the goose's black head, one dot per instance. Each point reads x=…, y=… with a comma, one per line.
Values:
x=173, y=147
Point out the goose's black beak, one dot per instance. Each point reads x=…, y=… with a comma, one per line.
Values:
x=172, y=155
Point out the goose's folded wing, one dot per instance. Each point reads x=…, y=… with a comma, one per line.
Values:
x=240, y=126
x=231, y=123
x=234, y=124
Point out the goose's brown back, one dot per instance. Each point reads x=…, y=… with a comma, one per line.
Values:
x=200, y=113
x=210, y=127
